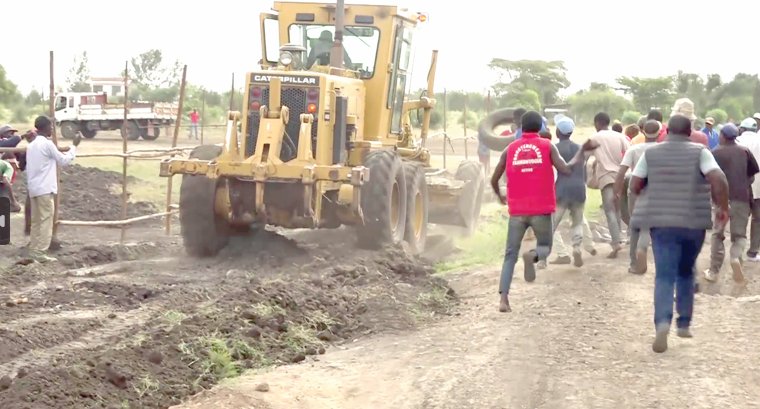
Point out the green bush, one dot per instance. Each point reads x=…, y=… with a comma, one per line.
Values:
x=436, y=119
x=20, y=114
x=472, y=119
x=630, y=117
x=718, y=114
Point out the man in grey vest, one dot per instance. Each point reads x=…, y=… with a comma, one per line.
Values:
x=679, y=176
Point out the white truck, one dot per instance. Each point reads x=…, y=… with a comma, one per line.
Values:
x=90, y=112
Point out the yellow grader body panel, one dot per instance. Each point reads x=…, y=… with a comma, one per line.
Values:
x=314, y=134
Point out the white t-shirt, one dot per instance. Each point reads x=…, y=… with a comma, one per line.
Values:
x=751, y=141
x=41, y=158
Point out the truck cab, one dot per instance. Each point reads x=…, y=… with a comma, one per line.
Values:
x=67, y=104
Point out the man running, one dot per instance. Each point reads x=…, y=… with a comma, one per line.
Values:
x=639, y=237
x=528, y=165
x=749, y=138
x=740, y=167
x=676, y=209
x=608, y=147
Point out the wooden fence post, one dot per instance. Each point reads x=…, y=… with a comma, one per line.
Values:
x=54, y=137
x=124, y=138
x=464, y=120
x=174, y=145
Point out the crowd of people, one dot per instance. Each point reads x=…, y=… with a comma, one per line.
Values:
x=679, y=181
x=39, y=162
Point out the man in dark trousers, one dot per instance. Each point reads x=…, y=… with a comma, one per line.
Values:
x=529, y=165
x=740, y=167
x=679, y=176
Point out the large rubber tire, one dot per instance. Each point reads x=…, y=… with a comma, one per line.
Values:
x=471, y=200
x=145, y=133
x=69, y=130
x=133, y=131
x=89, y=133
x=204, y=232
x=415, y=233
x=383, y=201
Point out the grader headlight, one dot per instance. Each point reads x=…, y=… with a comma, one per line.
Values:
x=286, y=58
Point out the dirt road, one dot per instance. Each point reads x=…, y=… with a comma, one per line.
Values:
x=575, y=339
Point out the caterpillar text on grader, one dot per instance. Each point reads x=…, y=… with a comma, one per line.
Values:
x=326, y=138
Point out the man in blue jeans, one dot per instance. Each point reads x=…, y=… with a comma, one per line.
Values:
x=679, y=176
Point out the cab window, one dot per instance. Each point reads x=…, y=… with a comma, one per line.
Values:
x=272, y=39
x=60, y=103
x=360, y=45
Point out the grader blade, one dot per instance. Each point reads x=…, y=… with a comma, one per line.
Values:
x=455, y=200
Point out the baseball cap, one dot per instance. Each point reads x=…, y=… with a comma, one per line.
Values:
x=565, y=125
x=6, y=128
x=729, y=131
x=756, y=116
x=710, y=120
x=749, y=124
x=652, y=129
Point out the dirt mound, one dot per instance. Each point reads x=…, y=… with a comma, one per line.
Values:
x=86, y=194
x=248, y=323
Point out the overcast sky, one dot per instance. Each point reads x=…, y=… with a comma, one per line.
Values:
x=598, y=40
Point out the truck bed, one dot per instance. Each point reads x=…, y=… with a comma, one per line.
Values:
x=100, y=112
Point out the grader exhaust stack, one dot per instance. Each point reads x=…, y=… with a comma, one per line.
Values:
x=336, y=53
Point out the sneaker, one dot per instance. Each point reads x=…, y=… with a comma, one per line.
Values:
x=641, y=261
x=660, y=343
x=529, y=258
x=541, y=265
x=710, y=276
x=684, y=333
x=561, y=260
x=736, y=266
x=754, y=259
x=577, y=258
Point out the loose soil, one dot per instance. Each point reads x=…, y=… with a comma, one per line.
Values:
x=87, y=194
x=143, y=326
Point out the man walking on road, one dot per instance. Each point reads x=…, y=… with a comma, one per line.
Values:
x=639, y=237
x=740, y=167
x=571, y=193
x=608, y=147
x=749, y=138
x=679, y=176
x=194, y=124
x=528, y=165
x=42, y=157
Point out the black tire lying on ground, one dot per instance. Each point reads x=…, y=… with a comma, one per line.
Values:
x=415, y=232
x=204, y=232
x=471, y=200
x=383, y=201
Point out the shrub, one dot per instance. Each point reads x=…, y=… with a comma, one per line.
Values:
x=718, y=114
x=630, y=117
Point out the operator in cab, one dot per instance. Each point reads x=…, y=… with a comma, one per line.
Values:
x=321, y=51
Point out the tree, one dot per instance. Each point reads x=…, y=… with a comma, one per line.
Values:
x=648, y=93
x=720, y=116
x=34, y=97
x=587, y=103
x=148, y=70
x=79, y=74
x=8, y=90
x=545, y=78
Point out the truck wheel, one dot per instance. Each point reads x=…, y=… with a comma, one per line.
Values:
x=145, y=133
x=204, y=231
x=133, y=131
x=416, y=207
x=69, y=130
x=89, y=133
x=383, y=201
x=471, y=199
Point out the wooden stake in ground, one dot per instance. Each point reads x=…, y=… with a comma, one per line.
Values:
x=464, y=120
x=445, y=135
x=174, y=145
x=54, y=137
x=203, y=113
x=124, y=150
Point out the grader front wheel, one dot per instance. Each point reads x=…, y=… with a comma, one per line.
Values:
x=416, y=207
x=204, y=230
x=383, y=201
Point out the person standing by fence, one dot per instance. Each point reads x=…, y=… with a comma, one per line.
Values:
x=194, y=116
x=42, y=156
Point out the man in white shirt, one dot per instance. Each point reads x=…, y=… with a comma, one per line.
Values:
x=749, y=138
x=41, y=157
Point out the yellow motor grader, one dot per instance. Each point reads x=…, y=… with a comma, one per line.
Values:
x=326, y=138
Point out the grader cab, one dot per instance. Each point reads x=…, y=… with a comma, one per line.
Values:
x=326, y=138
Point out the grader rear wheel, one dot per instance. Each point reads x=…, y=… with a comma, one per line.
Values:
x=471, y=200
x=416, y=207
x=383, y=201
x=204, y=230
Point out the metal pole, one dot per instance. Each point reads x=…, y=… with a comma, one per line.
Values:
x=203, y=113
x=336, y=52
x=445, y=135
x=174, y=145
x=124, y=150
x=466, y=156
x=54, y=137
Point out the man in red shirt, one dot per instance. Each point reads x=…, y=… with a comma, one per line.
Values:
x=193, y=124
x=528, y=165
